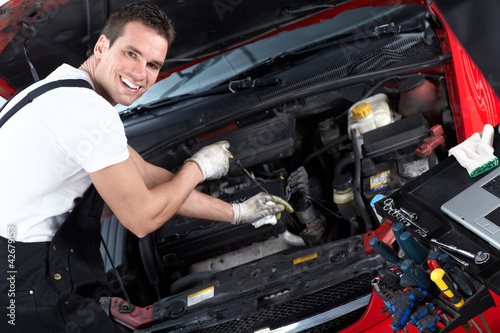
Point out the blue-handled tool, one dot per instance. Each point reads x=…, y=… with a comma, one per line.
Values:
x=403, y=304
x=385, y=251
x=411, y=248
x=429, y=323
x=421, y=311
x=397, y=229
x=406, y=281
x=445, y=261
x=434, y=255
x=417, y=274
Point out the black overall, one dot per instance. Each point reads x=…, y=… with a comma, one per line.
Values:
x=51, y=286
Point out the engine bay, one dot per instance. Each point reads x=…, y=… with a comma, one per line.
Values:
x=333, y=127
x=303, y=152
x=347, y=125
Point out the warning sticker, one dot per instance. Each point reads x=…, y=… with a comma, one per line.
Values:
x=200, y=296
x=380, y=180
x=305, y=258
x=416, y=168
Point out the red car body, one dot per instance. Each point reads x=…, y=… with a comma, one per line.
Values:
x=472, y=101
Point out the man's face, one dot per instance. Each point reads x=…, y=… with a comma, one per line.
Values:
x=131, y=65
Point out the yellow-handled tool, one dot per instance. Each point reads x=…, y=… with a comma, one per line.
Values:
x=443, y=281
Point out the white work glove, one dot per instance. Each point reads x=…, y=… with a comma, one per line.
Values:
x=269, y=219
x=476, y=153
x=213, y=160
x=259, y=206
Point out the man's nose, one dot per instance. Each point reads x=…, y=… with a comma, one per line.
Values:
x=139, y=70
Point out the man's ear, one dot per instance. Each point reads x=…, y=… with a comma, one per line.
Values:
x=101, y=46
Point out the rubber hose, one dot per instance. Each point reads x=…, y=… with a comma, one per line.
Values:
x=323, y=149
x=357, y=183
x=340, y=165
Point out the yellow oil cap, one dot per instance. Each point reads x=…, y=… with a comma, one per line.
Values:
x=361, y=110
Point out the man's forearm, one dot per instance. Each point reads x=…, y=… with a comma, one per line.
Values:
x=203, y=206
x=198, y=205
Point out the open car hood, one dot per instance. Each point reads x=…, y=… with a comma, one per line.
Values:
x=49, y=33
x=287, y=114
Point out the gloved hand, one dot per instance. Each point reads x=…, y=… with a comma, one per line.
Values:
x=259, y=206
x=476, y=153
x=213, y=160
x=268, y=219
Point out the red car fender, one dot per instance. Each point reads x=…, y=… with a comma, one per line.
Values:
x=472, y=99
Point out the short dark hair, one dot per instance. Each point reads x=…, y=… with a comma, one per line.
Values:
x=146, y=13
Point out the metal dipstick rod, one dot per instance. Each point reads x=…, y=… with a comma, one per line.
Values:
x=237, y=161
x=252, y=177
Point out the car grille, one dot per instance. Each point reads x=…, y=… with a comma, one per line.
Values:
x=338, y=323
x=308, y=305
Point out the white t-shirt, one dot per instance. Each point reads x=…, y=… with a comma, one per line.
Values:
x=48, y=149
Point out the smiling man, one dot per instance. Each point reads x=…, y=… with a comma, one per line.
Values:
x=59, y=142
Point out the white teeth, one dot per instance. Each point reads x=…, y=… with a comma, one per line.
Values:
x=130, y=84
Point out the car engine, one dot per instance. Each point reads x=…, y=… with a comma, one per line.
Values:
x=303, y=152
x=331, y=139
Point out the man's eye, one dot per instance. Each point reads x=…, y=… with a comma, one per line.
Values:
x=131, y=54
x=153, y=66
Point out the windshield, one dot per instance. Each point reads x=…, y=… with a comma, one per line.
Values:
x=225, y=66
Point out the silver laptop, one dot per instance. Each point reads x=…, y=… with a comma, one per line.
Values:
x=478, y=208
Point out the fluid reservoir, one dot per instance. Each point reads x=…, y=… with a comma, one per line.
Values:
x=418, y=95
x=369, y=114
x=329, y=131
x=343, y=196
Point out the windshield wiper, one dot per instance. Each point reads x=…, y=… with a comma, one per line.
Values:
x=231, y=87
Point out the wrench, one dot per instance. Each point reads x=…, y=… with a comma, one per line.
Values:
x=479, y=258
x=476, y=325
x=409, y=214
x=423, y=232
x=400, y=216
x=404, y=216
x=481, y=316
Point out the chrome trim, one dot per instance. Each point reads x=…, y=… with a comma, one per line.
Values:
x=320, y=318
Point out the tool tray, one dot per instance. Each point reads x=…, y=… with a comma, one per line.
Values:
x=424, y=196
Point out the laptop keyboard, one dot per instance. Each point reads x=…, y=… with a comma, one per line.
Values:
x=493, y=186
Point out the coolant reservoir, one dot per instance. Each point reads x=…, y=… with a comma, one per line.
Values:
x=343, y=195
x=369, y=114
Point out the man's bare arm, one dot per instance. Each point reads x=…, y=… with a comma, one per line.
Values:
x=197, y=205
x=143, y=196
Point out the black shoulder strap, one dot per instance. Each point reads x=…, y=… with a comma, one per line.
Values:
x=39, y=91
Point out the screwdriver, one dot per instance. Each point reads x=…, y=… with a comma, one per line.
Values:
x=385, y=251
x=411, y=247
x=418, y=275
x=443, y=281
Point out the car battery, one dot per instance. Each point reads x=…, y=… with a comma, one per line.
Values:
x=389, y=155
x=381, y=178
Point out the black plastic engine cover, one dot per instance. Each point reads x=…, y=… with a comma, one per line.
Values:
x=192, y=240
x=402, y=134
